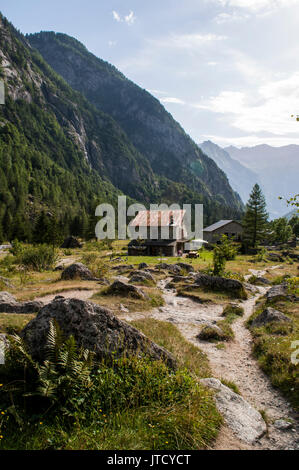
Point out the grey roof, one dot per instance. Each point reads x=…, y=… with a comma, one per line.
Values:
x=219, y=224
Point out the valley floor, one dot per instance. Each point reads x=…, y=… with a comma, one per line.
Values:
x=231, y=361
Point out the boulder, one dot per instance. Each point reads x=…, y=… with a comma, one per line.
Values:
x=94, y=328
x=244, y=420
x=141, y=274
x=123, y=289
x=71, y=242
x=122, y=268
x=9, y=304
x=186, y=266
x=261, y=280
x=142, y=266
x=234, y=287
x=7, y=297
x=283, y=425
x=211, y=332
x=276, y=293
x=251, y=288
x=269, y=315
x=138, y=277
x=172, y=268
x=77, y=271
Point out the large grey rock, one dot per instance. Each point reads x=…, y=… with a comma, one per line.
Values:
x=7, y=297
x=122, y=268
x=122, y=288
x=77, y=271
x=244, y=420
x=142, y=266
x=9, y=304
x=94, y=328
x=270, y=315
x=279, y=292
x=186, y=266
x=172, y=268
x=217, y=283
x=71, y=242
x=141, y=276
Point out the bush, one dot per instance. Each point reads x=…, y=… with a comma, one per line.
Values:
x=233, y=310
x=38, y=258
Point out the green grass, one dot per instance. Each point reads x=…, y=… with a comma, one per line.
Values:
x=11, y=323
x=167, y=335
x=273, y=349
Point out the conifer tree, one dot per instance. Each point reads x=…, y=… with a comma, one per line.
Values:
x=255, y=219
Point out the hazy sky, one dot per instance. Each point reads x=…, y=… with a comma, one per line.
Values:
x=227, y=70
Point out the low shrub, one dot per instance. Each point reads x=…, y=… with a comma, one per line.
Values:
x=38, y=258
x=231, y=309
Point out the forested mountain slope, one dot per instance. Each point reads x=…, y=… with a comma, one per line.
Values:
x=152, y=130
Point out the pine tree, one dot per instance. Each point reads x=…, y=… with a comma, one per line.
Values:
x=255, y=219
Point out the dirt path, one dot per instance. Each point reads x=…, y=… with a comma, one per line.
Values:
x=235, y=362
x=82, y=294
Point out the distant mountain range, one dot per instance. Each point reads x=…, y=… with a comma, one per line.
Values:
x=240, y=177
x=278, y=171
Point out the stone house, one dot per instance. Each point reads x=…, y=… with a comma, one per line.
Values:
x=231, y=228
x=160, y=233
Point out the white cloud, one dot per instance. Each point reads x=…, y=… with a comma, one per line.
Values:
x=129, y=19
x=231, y=17
x=112, y=43
x=170, y=99
x=266, y=109
x=256, y=6
x=187, y=41
x=116, y=16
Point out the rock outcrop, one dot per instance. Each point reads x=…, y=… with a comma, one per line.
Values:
x=276, y=293
x=127, y=290
x=94, y=328
x=9, y=304
x=269, y=315
x=141, y=276
x=71, y=242
x=244, y=420
x=77, y=271
x=234, y=287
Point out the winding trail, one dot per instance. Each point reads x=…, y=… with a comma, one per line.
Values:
x=235, y=362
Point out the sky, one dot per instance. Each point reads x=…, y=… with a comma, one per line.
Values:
x=227, y=70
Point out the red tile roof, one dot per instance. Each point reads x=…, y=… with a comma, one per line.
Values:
x=158, y=218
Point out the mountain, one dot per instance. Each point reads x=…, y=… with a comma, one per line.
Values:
x=278, y=169
x=61, y=154
x=152, y=130
x=241, y=178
